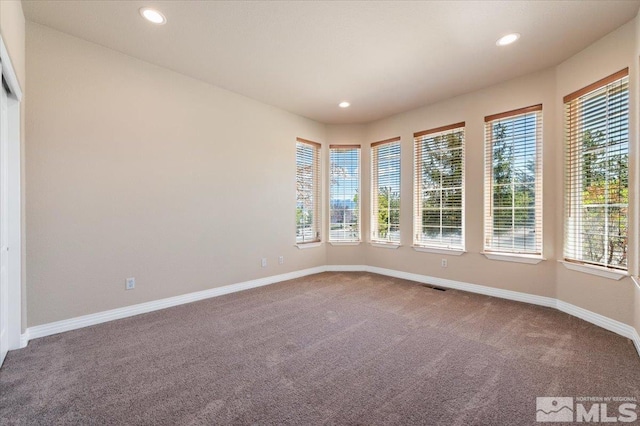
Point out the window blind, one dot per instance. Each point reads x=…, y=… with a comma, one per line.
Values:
x=438, y=187
x=385, y=191
x=307, y=191
x=513, y=182
x=597, y=173
x=344, y=193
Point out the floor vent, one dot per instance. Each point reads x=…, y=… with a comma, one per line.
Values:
x=433, y=287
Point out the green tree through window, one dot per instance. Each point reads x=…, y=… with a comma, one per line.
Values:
x=439, y=188
x=597, y=193
x=385, y=187
x=307, y=191
x=513, y=198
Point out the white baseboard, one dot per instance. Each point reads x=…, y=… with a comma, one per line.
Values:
x=128, y=311
x=24, y=339
x=617, y=327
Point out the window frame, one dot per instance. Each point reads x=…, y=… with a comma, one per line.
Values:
x=418, y=139
x=375, y=191
x=489, y=250
x=572, y=104
x=358, y=238
x=315, y=193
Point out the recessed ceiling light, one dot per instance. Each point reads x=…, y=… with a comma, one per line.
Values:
x=508, y=39
x=344, y=104
x=153, y=16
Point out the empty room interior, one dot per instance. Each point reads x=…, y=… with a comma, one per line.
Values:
x=323, y=212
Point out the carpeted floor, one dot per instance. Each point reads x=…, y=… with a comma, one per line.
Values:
x=333, y=348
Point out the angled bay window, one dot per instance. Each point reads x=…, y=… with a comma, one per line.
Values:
x=513, y=182
x=385, y=191
x=439, y=188
x=307, y=191
x=344, y=193
x=597, y=173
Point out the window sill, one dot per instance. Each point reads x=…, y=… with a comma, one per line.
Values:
x=595, y=270
x=345, y=243
x=303, y=246
x=379, y=244
x=514, y=257
x=437, y=250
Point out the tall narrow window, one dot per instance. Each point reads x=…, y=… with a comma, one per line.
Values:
x=385, y=191
x=439, y=188
x=307, y=191
x=344, y=193
x=597, y=173
x=513, y=182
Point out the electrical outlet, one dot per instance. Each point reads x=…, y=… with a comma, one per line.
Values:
x=130, y=284
x=281, y=260
x=264, y=262
x=444, y=263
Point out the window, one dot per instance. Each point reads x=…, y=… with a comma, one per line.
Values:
x=385, y=191
x=597, y=173
x=513, y=182
x=307, y=191
x=344, y=198
x=439, y=188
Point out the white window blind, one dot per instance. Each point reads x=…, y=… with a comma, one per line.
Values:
x=439, y=187
x=385, y=191
x=307, y=191
x=513, y=182
x=597, y=173
x=344, y=193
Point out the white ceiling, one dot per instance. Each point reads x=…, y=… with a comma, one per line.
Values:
x=305, y=57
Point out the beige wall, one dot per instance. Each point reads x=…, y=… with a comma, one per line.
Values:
x=132, y=170
x=136, y=171
x=12, y=28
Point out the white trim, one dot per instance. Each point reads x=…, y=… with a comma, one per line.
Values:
x=595, y=270
x=614, y=326
x=9, y=73
x=303, y=246
x=128, y=311
x=345, y=243
x=13, y=176
x=24, y=339
x=514, y=257
x=636, y=280
x=636, y=340
x=447, y=251
x=378, y=244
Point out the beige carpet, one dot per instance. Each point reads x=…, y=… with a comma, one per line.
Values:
x=333, y=348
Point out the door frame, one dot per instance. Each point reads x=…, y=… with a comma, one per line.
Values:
x=14, y=200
